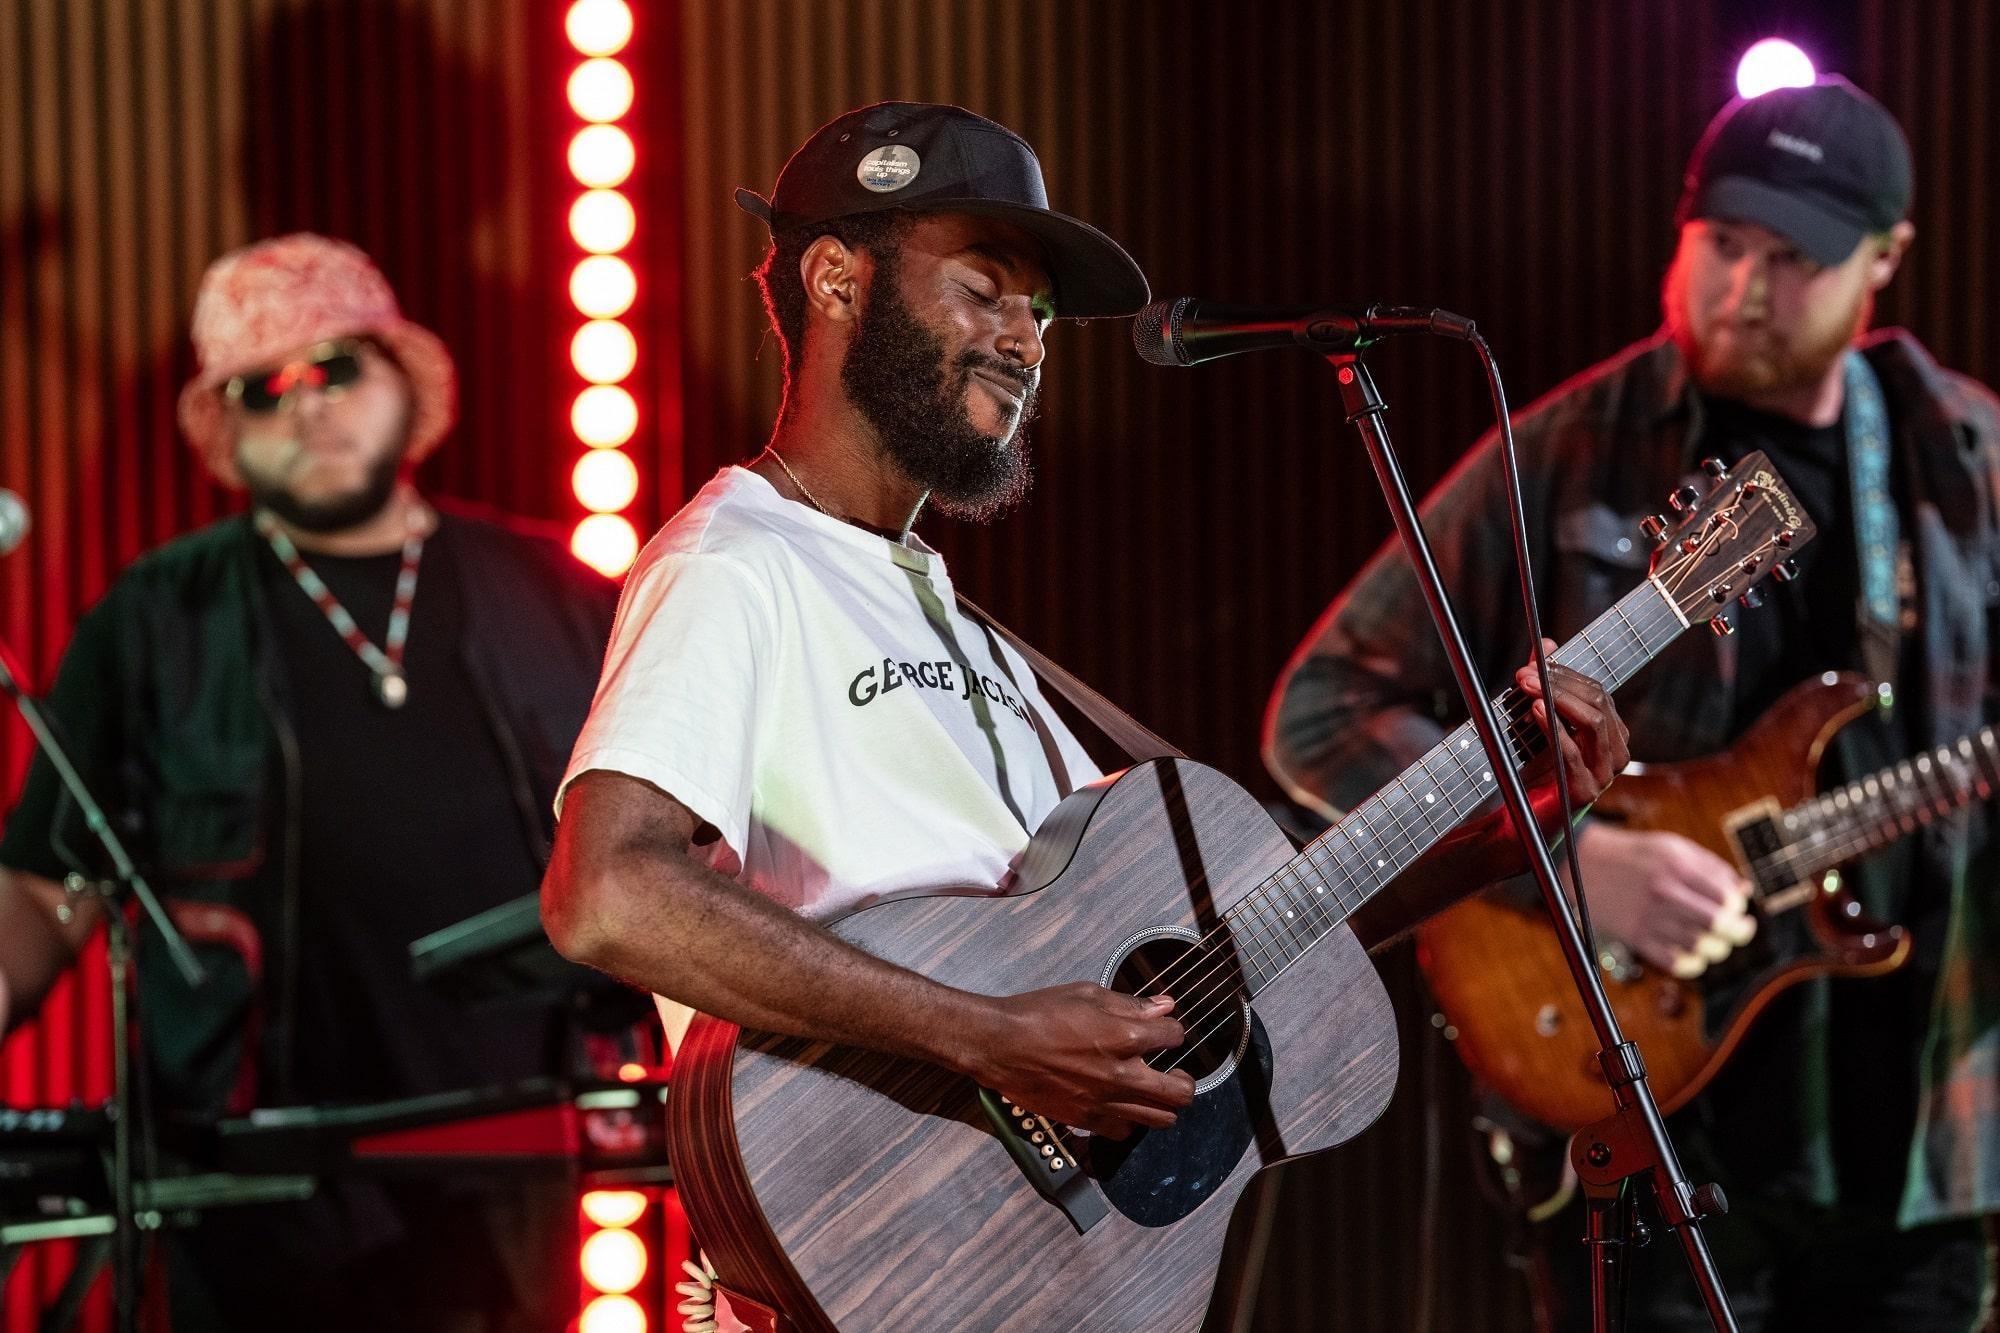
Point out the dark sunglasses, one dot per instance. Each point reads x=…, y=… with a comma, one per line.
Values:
x=328, y=367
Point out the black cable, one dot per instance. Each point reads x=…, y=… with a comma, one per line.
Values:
x=1518, y=526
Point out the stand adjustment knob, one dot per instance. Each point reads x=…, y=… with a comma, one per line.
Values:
x=1709, y=1200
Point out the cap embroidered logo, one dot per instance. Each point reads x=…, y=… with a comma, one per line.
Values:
x=1791, y=143
x=888, y=168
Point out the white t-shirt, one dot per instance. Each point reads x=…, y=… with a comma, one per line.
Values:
x=814, y=692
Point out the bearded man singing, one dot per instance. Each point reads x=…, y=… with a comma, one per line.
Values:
x=327, y=726
x=797, y=719
x=1857, y=1132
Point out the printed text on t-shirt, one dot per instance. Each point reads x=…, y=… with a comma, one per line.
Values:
x=874, y=681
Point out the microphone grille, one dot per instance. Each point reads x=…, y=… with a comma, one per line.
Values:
x=1156, y=332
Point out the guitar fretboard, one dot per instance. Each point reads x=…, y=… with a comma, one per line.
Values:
x=1275, y=924
x=1872, y=812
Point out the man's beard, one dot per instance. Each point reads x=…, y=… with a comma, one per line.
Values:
x=335, y=513
x=1768, y=368
x=895, y=373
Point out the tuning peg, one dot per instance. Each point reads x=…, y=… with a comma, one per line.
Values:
x=1654, y=528
x=1785, y=537
x=1720, y=592
x=1715, y=467
x=1682, y=498
x=1721, y=627
x=1751, y=599
x=1785, y=571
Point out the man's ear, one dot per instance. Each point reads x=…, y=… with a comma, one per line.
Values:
x=1888, y=254
x=834, y=277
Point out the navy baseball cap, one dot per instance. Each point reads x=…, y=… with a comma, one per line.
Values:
x=1822, y=166
x=925, y=158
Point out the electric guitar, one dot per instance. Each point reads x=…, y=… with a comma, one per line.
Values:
x=1499, y=975
x=839, y=1188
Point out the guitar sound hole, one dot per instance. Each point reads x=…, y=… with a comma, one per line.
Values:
x=1209, y=1001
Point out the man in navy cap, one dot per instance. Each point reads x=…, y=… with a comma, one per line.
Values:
x=797, y=718
x=1856, y=1132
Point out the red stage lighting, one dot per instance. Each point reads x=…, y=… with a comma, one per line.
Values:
x=604, y=351
x=604, y=416
x=600, y=89
x=605, y=480
x=605, y=542
x=603, y=286
x=599, y=27
x=601, y=221
x=601, y=155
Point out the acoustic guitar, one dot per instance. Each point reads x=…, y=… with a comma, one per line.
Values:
x=839, y=1188
x=1499, y=976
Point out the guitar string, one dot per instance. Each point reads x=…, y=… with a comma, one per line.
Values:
x=1205, y=1006
x=1901, y=821
x=1228, y=1001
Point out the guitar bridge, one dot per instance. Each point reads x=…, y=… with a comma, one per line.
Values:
x=1044, y=1157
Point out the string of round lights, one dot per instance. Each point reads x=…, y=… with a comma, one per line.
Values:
x=602, y=287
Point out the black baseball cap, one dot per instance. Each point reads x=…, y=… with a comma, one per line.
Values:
x=925, y=158
x=1822, y=166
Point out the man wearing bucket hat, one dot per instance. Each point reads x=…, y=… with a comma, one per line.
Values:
x=796, y=717
x=331, y=725
x=1856, y=1132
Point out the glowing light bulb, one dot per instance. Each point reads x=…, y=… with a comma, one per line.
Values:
x=604, y=351
x=599, y=27
x=1773, y=63
x=613, y=1261
x=612, y=1314
x=604, y=415
x=605, y=480
x=602, y=221
x=603, y=286
x=608, y=544
x=600, y=89
x=601, y=155
x=614, y=1208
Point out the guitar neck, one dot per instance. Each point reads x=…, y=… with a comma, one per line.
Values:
x=1383, y=836
x=1837, y=826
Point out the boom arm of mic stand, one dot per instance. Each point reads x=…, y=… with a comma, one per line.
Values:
x=1635, y=1136
x=122, y=867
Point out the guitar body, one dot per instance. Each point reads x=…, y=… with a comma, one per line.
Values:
x=852, y=1190
x=1498, y=972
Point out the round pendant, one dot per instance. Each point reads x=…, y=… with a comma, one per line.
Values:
x=392, y=690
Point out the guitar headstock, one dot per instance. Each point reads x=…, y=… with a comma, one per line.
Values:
x=1724, y=543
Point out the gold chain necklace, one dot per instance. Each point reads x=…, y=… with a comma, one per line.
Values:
x=811, y=499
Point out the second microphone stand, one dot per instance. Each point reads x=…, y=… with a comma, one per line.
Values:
x=1632, y=1142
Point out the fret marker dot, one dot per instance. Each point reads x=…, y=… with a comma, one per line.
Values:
x=1486, y=777
x=1430, y=798
x=1380, y=862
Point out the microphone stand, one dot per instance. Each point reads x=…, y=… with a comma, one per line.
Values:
x=1632, y=1142
x=126, y=882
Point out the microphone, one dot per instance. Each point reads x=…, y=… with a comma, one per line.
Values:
x=1186, y=331
x=13, y=521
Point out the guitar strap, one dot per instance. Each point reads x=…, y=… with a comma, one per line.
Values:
x=1129, y=734
x=1876, y=544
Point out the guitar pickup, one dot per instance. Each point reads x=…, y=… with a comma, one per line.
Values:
x=1044, y=1157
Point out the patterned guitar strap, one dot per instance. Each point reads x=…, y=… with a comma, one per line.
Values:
x=1884, y=562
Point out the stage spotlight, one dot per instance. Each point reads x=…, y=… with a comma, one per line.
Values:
x=603, y=286
x=602, y=221
x=612, y=1314
x=1772, y=63
x=605, y=542
x=601, y=155
x=604, y=351
x=614, y=1208
x=599, y=27
x=605, y=481
x=600, y=89
x=614, y=1261
x=604, y=416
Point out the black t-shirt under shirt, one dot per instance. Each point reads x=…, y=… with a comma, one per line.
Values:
x=1830, y=1070
x=410, y=823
